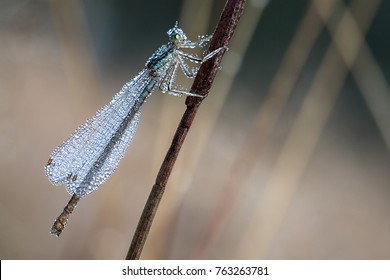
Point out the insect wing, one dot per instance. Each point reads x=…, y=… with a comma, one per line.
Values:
x=90, y=177
x=74, y=159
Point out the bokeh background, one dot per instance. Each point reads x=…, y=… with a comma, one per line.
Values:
x=288, y=157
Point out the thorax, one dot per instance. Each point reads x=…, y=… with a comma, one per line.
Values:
x=160, y=61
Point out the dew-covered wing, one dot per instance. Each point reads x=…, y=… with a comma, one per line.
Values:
x=72, y=162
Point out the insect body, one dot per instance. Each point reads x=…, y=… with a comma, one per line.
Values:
x=92, y=153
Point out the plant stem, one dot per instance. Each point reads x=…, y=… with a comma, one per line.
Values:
x=227, y=24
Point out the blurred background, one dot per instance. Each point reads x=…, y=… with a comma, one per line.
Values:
x=288, y=157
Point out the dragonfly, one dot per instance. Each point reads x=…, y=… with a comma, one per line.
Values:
x=92, y=153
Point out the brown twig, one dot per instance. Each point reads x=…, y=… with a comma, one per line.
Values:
x=202, y=84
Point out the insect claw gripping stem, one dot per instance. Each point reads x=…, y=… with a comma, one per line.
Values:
x=213, y=53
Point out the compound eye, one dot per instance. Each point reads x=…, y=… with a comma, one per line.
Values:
x=177, y=36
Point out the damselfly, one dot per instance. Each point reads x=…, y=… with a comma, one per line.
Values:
x=92, y=153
